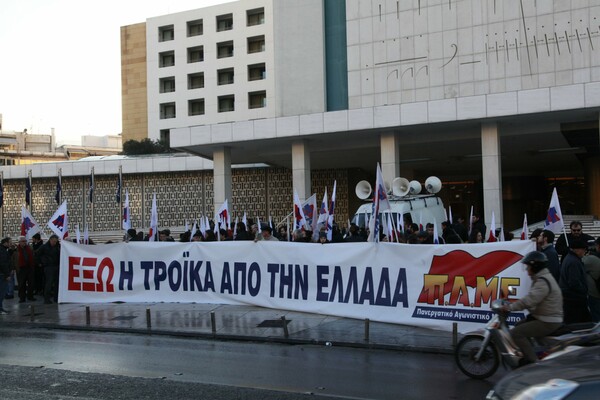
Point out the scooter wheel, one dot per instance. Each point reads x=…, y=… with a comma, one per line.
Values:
x=465, y=353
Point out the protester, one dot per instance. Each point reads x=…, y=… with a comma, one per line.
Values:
x=562, y=243
x=573, y=283
x=50, y=258
x=591, y=264
x=544, y=244
x=36, y=243
x=6, y=271
x=449, y=235
x=24, y=263
x=476, y=236
x=478, y=224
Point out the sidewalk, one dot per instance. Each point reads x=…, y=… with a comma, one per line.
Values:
x=231, y=322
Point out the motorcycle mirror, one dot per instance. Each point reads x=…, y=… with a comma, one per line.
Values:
x=512, y=291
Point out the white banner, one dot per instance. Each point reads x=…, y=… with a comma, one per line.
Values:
x=421, y=285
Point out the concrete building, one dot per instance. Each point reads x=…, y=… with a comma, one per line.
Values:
x=500, y=99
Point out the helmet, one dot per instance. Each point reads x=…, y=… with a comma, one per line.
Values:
x=536, y=260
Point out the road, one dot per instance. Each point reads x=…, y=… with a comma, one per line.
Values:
x=136, y=364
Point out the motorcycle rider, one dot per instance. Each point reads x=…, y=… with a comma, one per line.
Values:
x=544, y=302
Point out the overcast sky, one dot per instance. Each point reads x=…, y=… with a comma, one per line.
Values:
x=60, y=62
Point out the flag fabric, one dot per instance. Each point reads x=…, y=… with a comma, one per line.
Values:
x=525, y=230
x=271, y=223
x=29, y=225
x=492, y=237
x=235, y=228
x=59, y=222
x=501, y=235
x=258, y=224
x=153, y=220
x=126, y=212
x=330, y=228
x=77, y=234
x=309, y=207
x=471, y=221
x=194, y=229
x=245, y=222
x=187, y=226
x=86, y=236
x=223, y=215
x=58, y=189
x=436, y=237
x=323, y=213
x=91, y=190
x=332, y=205
x=119, y=186
x=421, y=222
x=28, y=190
x=380, y=192
x=450, y=215
x=299, y=218
x=554, y=220
x=203, y=227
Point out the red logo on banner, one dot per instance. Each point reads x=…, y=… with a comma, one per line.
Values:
x=454, y=272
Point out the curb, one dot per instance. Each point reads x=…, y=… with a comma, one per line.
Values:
x=230, y=337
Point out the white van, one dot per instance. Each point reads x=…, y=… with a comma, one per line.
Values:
x=425, y=208
x=405, y=200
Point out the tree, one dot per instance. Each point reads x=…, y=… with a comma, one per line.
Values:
x=145, y=146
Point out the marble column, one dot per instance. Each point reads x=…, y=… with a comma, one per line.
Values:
x=301, y=180
x=222, y=176
x=390, y=156
x=491, y=166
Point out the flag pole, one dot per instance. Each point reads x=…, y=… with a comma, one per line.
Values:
x=92, y=188
x=60, y=180
x=30, y=191
x=120, y=207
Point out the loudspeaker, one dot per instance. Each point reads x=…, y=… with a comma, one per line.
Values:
x=363, y=190
x=414, y=187
x=433, y=184
x=400, y=187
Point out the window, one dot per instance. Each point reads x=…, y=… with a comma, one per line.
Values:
x=256, y=44
x=167, y=110
x=257, y=99
x=165, y=137
x=255, y=17
x=166, y=33
x=224, y=22
x=196, y=81
x=166, y=59
x=167, y=85
x=195, y=28
x=225, y=76
x=195, y=54
x=196, y=107
x=226, y=103
x=225, y=49
x=257, y=72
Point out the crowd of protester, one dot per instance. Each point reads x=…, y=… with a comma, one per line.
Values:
x=573, y=258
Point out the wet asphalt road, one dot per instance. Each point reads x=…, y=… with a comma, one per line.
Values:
x=43, y=364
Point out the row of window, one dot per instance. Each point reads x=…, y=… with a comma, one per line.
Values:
x=223, y=23
x=225, y=103
x=225, y=76
x=195, y=54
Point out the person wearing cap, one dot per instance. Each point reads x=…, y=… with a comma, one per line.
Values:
x=573, y=283
x=544, y=302
x=267, y=233
x=50, y=258
x=6, y=270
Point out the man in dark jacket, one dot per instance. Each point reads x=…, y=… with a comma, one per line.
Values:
x=6, y=270
x=562, y=243
x=50, y=258
x=449, y=235
x=573, y=284
x=544, y=244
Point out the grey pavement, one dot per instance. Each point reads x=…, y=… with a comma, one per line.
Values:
x=231, y=322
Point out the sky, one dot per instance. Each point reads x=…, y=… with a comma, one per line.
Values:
x=60, y=62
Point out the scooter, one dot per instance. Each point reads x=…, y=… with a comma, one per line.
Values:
x=478, y=354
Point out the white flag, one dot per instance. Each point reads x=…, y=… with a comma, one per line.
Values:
x=126, y=212
x=77, y=234
x=554, y=220
x=59, y=222
x=153, y=220
x=29, y=225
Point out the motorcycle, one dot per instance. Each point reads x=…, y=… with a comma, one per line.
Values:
x=478, y=354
